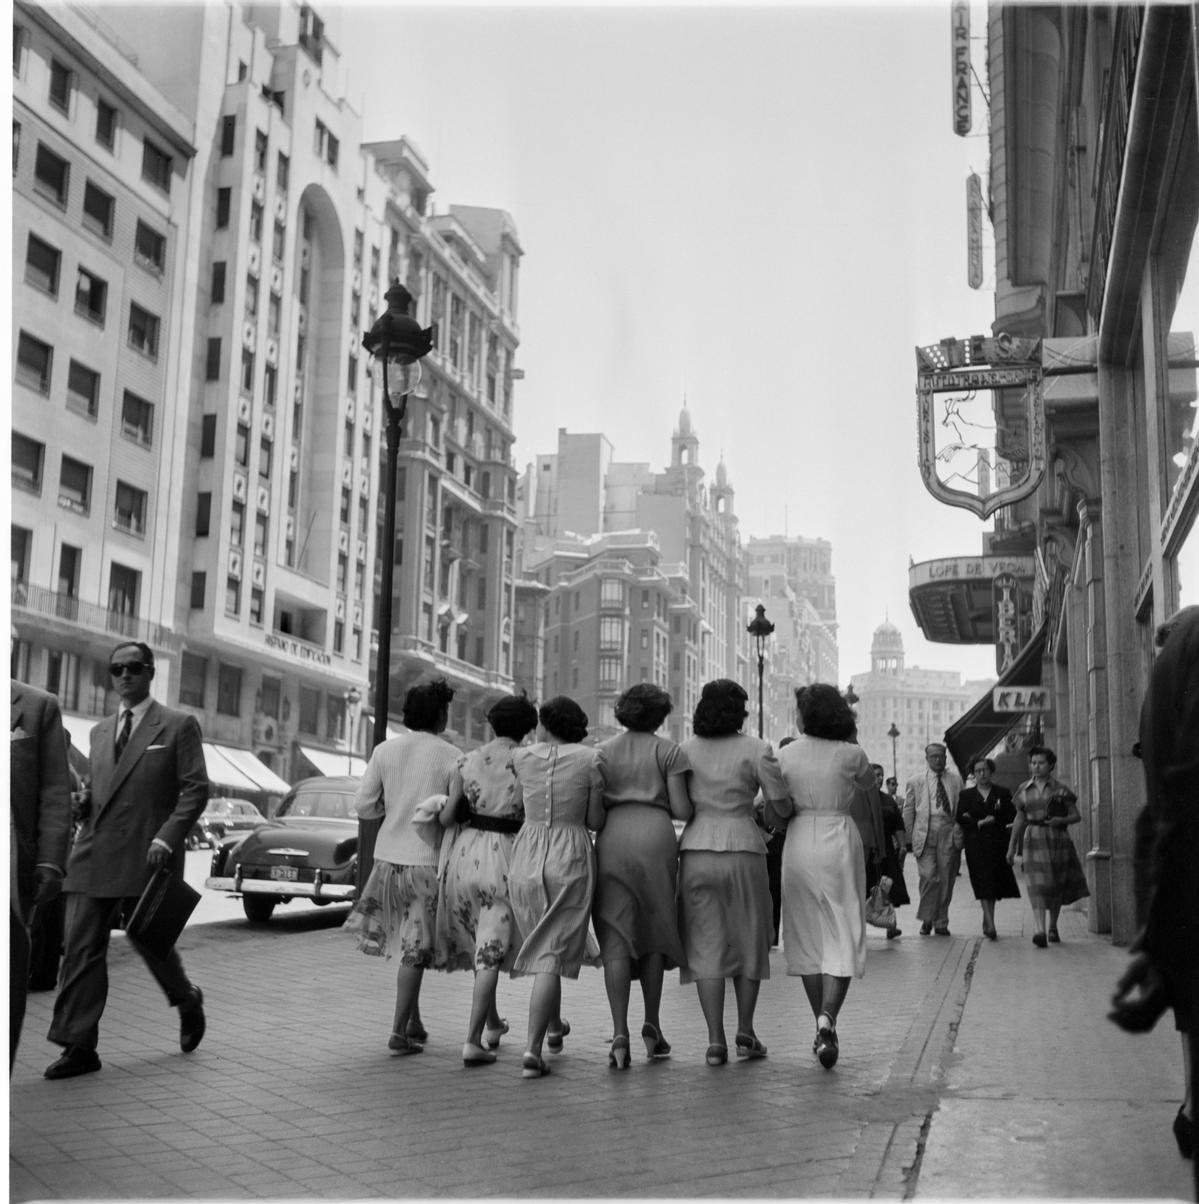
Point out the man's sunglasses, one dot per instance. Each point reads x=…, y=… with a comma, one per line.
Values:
x=130, y=668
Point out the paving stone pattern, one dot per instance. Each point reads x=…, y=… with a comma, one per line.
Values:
x=968, y=1069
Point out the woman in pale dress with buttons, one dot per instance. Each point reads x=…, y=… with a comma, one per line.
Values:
x=551, y=878
x=725, y=909
x=824, y=870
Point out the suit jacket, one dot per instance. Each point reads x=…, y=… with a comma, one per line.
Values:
x=157, y=789
x=39, y=786
x=920, y=801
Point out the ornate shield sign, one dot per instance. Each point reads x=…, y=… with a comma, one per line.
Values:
x=981, y=415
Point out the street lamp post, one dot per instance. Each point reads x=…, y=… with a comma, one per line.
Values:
x=851, y=695
x=396, y=344
x=894, y=734
x=353, y=698
x=760, y=628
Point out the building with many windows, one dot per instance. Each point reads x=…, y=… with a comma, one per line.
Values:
x=600, y=534
x=208, y=480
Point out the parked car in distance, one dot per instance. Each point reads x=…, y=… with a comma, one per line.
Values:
x=222, y=816
x=307, y=850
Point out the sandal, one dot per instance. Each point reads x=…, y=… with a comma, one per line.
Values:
x=491, y=1036
x=748, y=1046
x=827, y=1048
x=656, y=1045
x=717, y=1055
x=400, y=1046
x=533, y=1067
x=553, y=1041
x=618, y=1054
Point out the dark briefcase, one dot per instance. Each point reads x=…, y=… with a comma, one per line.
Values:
x=162, y=912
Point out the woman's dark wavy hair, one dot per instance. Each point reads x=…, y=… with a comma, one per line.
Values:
x=564, y=718
x=643, y=707
x=513, y=717
x=722, y=708
x=986, y=761
x=424, y=703
x=1040, y=750
x=825, y=714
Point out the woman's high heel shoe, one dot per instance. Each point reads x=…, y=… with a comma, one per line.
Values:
x=619, y=1056
x=748, y=1046
x=533, y=1067
x=554, y=1041
x=491, y=1036
x=656, y=1045
x=1184, y=1134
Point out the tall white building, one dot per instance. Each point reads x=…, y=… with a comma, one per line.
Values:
x=208, y=480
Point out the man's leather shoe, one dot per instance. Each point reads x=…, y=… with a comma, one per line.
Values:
x=75, y=1060
x=926, y=930
x=941, y=931
x=191, y=1023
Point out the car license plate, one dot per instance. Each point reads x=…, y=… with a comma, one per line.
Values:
x=284, y=873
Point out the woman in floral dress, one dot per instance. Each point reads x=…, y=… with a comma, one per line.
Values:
x=475, y=930
x=397, y=910
x=1045, y=809
x=551, y=878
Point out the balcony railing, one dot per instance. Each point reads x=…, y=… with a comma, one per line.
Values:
x=37, y=600
x=451, y=665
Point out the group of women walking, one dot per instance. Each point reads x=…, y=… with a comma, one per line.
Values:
x=487, y=862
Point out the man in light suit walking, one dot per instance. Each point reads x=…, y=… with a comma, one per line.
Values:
x=39, y=830
x=930, y=802
x=149, y=785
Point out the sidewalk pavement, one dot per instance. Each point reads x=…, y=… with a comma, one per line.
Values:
x=969, y=1068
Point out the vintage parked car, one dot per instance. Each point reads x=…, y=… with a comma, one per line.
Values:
x=222, y=816
x=307, y=850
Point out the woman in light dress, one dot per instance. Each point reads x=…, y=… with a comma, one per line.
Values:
x=638, y=858
x=824, y=870
x=551, y=878
x=725, y=909
x=397, y=910
x=475, y=929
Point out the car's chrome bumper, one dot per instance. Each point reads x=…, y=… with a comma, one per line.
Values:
x=267, y=886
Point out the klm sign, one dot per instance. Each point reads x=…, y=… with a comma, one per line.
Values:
x=1013, y=700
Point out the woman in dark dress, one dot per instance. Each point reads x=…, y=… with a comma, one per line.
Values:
x=985, y=813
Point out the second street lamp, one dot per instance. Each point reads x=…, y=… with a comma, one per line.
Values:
x=894, y=734
x=396, y=344
x=761, y=628
x=353, y=698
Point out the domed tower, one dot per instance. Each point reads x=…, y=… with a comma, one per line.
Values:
x=886, y=651
x=684, y=443
x=722, y=491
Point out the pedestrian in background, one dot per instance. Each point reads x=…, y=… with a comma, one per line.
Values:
x=824, y=873
x=39, y=809
x=397, y=910
x=1045, y=809
x=930, y=802
x=475, y=929
x=552, y=877
x=637, y=859
x=724, y=892
x=985, y=813
x=889, y=866
x=149, y=785
x=1164, y=971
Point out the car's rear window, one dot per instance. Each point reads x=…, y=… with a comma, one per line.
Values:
x=321, y=804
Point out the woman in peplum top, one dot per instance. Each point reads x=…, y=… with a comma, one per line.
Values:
x=551, y=878
x=725, y=909
x=637, y=855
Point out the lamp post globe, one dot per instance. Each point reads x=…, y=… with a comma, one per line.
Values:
x=761, y=628
x=396, y=343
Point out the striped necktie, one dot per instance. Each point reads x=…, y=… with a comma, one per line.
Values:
x=942, y=797
x=126, y=729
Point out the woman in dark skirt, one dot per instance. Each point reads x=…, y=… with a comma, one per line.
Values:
x=985, y=813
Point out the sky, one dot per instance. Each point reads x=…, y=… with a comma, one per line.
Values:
x=758, y=212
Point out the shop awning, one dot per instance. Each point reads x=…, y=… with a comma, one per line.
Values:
x=79, y=728
x=223, y=774
x=332, y=764
x=982, y=727
x=268, y=781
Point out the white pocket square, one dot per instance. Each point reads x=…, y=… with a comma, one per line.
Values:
x=152, y=747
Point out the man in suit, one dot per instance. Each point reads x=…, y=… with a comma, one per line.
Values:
x=39, y=829
x=149, y=786
x=930, y=802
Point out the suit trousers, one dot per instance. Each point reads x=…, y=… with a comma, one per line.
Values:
x=18, y=977
x=83, y=982
x=937, y=866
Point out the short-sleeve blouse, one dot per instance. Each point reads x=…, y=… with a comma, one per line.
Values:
x=726, y=774
x=635, y=766
x=556, y=781
x=488, y=780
